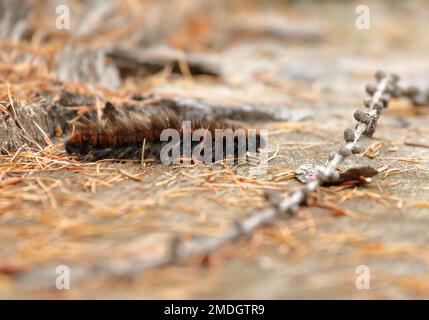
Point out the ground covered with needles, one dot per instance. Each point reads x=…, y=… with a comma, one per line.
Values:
x=307, y=62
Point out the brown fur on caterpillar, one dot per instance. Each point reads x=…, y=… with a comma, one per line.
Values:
x=121, y=133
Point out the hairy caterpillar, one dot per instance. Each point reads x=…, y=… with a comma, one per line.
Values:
x=124, y=133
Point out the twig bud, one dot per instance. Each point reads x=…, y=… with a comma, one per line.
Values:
x=380, y=75
x=370, y=89
x=349, y=135
x=363, y=116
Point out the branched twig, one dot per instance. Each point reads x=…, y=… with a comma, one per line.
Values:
x=367, y=122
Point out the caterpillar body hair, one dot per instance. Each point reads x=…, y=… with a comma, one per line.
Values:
x=123, y=133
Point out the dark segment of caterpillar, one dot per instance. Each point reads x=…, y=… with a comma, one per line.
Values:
x=120, y=133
